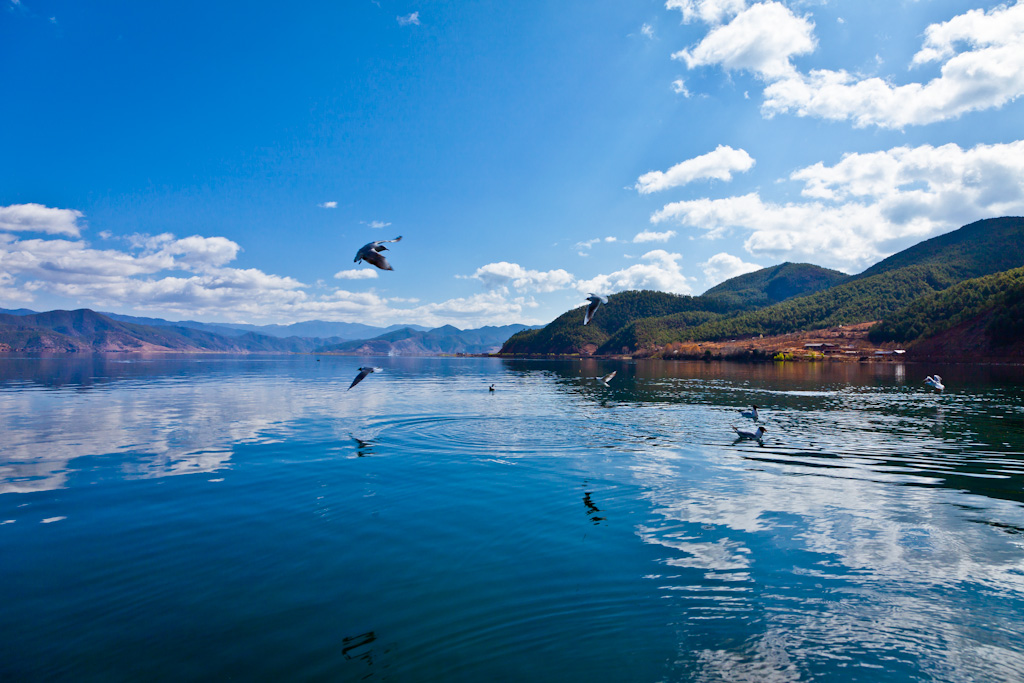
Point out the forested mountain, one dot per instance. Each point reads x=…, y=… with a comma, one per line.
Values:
x=999, y=298
x=770, y=286
x=818, y=298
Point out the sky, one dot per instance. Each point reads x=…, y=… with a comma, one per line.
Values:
x=225, y=161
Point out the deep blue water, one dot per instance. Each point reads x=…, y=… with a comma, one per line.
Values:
x=248, y=518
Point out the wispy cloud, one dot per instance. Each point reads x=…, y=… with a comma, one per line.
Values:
x=647, y=30
x=328, y=205
x=679, y=87
x=651, y=236
x=376, y=224
x=718, y=165
x=409, y=20
x=357, y=274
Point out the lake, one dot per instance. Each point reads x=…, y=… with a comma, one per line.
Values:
x=250, y=518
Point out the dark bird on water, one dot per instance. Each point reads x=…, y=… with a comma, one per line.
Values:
x=595, y=301
x=371, y=253
x=363, y=372
x=491, y=388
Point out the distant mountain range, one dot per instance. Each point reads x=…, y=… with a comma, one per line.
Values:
x=799, y=297
x=87, y=331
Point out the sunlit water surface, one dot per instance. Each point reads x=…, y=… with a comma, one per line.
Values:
x=184, y=518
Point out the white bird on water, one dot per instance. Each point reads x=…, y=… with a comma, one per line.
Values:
x=371, y=253
x=363, y=372
x=595, y=301
x=935, y=382
x=756, y=436
x=752, y=414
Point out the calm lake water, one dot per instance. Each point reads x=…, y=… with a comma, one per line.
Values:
x=248, y=518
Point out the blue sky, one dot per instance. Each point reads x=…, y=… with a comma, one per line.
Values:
x=224, y=162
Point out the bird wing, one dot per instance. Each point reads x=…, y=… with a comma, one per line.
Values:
x=590, y=312
x=363, y=372
x=377, y=259
x=608, y=376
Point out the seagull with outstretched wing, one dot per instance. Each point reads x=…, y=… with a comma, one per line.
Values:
x=363, y=372
x=595, y=301
x=371, y=253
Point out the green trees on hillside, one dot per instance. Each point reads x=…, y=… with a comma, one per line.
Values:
x=940, y=311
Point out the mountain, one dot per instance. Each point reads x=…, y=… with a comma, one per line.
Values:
x=989, y=310
x=330, y=332
x=84, y=330
x=442, y=340
x=749, y=305
x=17, y=311
x=772, y=285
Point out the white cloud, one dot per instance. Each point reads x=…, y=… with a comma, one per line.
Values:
x=760, y=39
x=987, y=75
x=376, y=224
x=868, y=206
x=197, y=252
x=709, y=11
x=660, y=271
x=583, y=247
x=651, y=236
x=410, y=19
x=502, y=274
x=718, y=164
x=723, y=266
x=328, y=205
x=357, y=274
x=39, y=218
x=679, y=87
x=647, y=30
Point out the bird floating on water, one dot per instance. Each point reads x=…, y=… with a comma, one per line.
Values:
x=491, y=389
x=935, y=382
x=363, y=372
x=752, y=414
x=756, y=436
x=371, y=253
x=595, y=301
x=607, y=378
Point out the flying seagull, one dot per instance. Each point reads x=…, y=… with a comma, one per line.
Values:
x=595, y=301
x=934, y=382
x=363, y=372
x=756, y=436
x=371, y=253
x=607, y=378
x=752, y=414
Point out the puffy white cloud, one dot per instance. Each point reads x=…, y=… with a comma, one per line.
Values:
x=868, y=206
x=198, y=252
x=718, y=164
x=988, y=75
x=651, y=236
x=357, y=274
x=679, y=87
x=761, y=39
x=409, y=19
x=39, y=218
x=661, y=271
x=328, y=205
x=723, y=266
x=709, y=11
x=502, y=274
